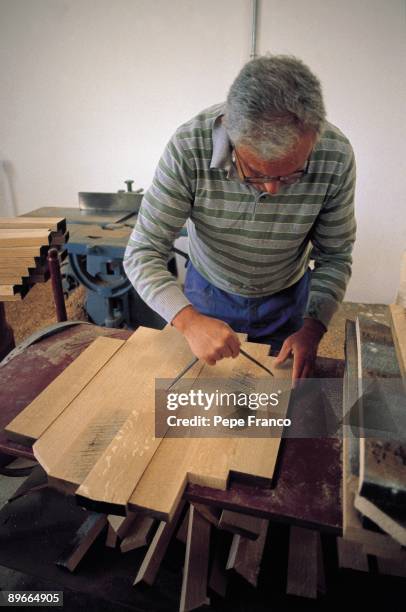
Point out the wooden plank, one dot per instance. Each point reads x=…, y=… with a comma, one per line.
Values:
x=49, y=223
x=181, y=534
x=108, y=486
x=33, y=421
x=19, y=262
x=256, y=460
x=195, y=572
x=209, y=513
x=242, y=524
x=74, y=443
x=386, y=548
x=82, y=541
x=8, y=290
x=151, y=563
x=392, y=567
x=12, y=278
x=351, y=555
x=26, y=251
x=138, y=533
x=398, y=324
x=111, y=538
x=302, y=563
x=393, y=526
x=10, y=298
x=24, y=237
x=203, y=461
x=219, y=576
x=21, y=270
x=246, y=555
x=121, y=524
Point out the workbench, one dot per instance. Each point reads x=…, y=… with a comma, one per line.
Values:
x=307, y=493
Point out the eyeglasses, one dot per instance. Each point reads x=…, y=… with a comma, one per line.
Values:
x=288, y=179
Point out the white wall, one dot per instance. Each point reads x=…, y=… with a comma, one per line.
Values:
x=90, y=91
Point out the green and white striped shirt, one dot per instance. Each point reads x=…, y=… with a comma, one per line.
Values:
x=243, y=241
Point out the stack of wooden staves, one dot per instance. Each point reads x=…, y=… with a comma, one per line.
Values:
x=374, y=445
x=93, y=432
x=24, y=244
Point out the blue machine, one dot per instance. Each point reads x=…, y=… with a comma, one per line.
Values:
x=98, y=235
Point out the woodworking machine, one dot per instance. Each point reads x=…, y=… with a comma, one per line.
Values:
x=99, y=231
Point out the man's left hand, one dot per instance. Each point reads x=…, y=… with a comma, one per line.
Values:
x=303, y=345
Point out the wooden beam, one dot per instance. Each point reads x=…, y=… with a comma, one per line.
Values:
x=302, y=563
x=245, y=555
x=195, y=572
x=111, y=538
x=26, y=251
x=392, y=567
x=157, y=549
x=242, y=524
x=24, y=237
x=121, y=524
x=138, y=534
x=219, y=576
x=8, y=290
x=210, y=513
x=10, y=262
x=392, y=525
x=351, y=555
x=49, y=223
x=12, y=278
x=82, y=541
x=9, y=298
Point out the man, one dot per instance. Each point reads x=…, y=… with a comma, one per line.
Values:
x=265, y=184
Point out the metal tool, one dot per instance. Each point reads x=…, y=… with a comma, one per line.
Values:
x=248, y=356
x=183, y=372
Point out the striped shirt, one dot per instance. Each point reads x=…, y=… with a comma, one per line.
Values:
x=243, y=241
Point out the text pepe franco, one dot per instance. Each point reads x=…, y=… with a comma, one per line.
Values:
x=217, y=399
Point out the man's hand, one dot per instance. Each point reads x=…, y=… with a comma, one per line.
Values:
x=303, y=346
x=209, y=339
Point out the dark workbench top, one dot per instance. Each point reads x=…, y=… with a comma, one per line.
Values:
x=308, y=478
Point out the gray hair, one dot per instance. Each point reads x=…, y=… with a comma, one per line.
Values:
x=273, y=101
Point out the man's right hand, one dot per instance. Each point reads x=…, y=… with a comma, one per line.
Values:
x=209, y=339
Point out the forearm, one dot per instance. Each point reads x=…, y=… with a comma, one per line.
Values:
x=333, y=237
x=147, y=270
x=328, y=284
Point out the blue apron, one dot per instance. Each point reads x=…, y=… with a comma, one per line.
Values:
x=267, y=320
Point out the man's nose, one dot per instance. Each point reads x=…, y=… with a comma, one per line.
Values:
x=272, y=187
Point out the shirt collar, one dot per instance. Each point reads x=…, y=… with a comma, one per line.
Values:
x=222, y=147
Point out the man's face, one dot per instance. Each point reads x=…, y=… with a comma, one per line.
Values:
x=294, y=161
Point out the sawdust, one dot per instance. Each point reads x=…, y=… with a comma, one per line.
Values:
x=37, y=310
x=332, y=344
